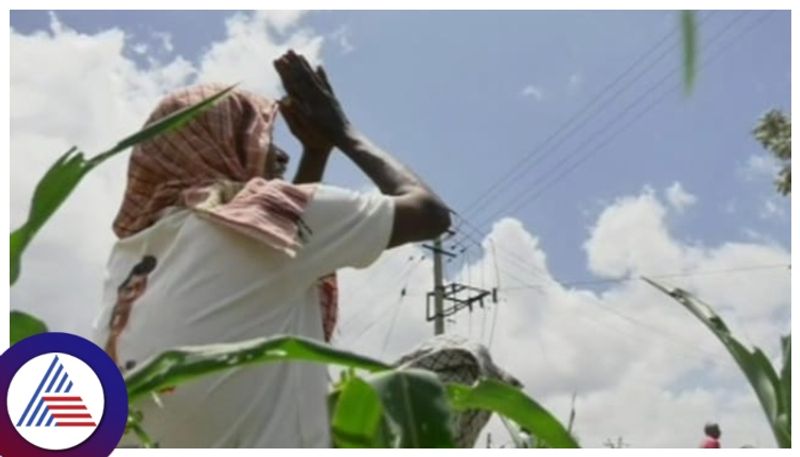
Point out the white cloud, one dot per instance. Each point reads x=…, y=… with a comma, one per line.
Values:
x=630, y=236
x=773, y=208
x=246, y=53
x=679, y=198
x=533, y=91
x=139, y=48
x=759, y=166
x=94, y=97
x=280, y=20
x=342, y=37
x=165, y=39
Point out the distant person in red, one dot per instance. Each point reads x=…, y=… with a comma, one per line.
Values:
x=712, y=436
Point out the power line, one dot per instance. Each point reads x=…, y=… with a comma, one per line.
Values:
x=528, y=195
x=391, y=325
x=470, y=283
x=522, y=165
x=519, y=262
x=671, y=337
x=583, y=158
x=590, y=282
x=466, y=224
x=372, y=324
x=513, y=255
x=497, y=305
x=403, y=293
x=409, y=268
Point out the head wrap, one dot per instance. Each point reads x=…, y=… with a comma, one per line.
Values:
x=216, y=165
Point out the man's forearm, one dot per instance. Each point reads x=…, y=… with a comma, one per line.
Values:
x=388, y=173
x=311, y=167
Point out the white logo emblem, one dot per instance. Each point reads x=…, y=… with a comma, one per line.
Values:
x=55, y=401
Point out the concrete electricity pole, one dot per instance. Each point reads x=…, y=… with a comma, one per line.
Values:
x=438, y=288
x=452, y=293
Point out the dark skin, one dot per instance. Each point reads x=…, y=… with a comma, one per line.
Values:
x=311, y=169
x=316, y=118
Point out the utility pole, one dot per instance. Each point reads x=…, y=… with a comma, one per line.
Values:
x=438, y=287
x=452, y=293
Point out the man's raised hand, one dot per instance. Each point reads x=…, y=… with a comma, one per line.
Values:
x=313, y=105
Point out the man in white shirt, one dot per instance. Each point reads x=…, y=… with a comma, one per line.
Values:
x=235, y=256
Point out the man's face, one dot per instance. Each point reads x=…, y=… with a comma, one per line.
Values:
x=277, y=162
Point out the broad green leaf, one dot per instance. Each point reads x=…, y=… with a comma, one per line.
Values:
x=415, y=402
x=180, y=365
x=24, y=325
x=57, y=183
x=689, y=31
x=754, y=364
x=512, y=403
x=357, y=417
x=65, y=174
x=786, y=377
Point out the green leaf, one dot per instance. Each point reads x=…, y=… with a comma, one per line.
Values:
x=415, y=402
x=180, y=365
x=785, y=415
x=57, y=183
x=357, y=418
x=689, y=31
x=134, y=425
x=24, y=325
x=754, y=364
x=786, y=373
x=512, y=403
x=65, y=174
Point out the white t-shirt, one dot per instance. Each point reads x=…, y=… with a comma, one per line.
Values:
x=213, y=285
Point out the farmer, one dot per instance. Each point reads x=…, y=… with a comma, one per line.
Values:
x=240, y=253
x=712, y=436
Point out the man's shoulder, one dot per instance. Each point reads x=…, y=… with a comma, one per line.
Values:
x=343, y=198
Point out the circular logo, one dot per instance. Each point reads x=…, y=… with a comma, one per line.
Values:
x=62, y=395
x=63, y=410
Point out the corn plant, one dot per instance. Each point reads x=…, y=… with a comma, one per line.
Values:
x=774, y=390
x=689, y=34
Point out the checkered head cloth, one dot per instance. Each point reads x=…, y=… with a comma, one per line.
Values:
x=456, y=359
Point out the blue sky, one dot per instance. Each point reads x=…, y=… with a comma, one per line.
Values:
x=462, y=98
x=443, y=91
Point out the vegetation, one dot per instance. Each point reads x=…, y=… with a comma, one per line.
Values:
x=689, y=32
x=774, y=132
x=773, y=389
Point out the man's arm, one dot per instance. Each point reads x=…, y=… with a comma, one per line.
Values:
x=316, y=148
x=419, y=213
x=312, y=166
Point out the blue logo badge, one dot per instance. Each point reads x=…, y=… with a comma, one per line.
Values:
x=61, y=396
